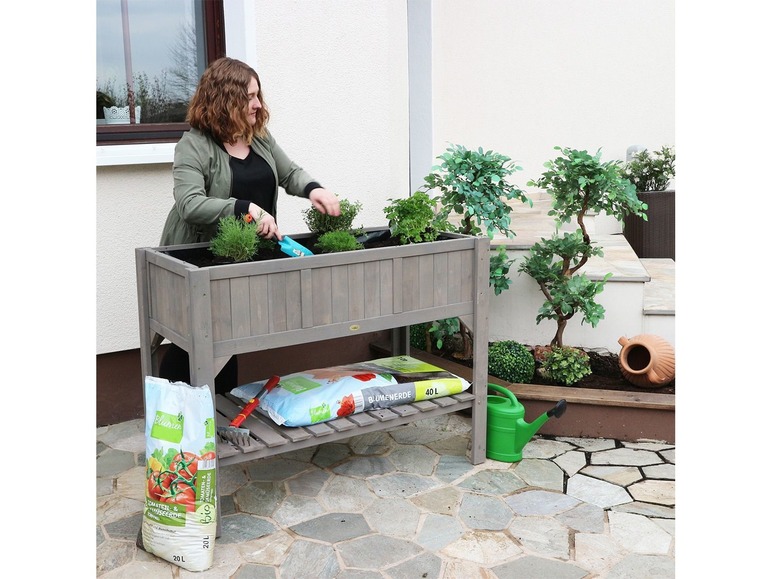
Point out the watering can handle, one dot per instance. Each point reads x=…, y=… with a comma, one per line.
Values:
x=504, y=391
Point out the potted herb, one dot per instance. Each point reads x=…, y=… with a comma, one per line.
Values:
x=413, y=219
x=335, y=241
x=651, y=174
x=320, y=223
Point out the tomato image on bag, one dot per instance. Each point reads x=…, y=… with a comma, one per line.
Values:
x=180, y=514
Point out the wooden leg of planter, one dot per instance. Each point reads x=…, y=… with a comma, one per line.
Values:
x=201, y=354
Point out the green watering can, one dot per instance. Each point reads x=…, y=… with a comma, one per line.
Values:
x=508, y=432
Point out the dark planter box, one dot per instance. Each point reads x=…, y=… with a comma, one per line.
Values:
x=655, y=237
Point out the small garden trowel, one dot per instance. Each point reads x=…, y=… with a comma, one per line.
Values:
x=233, y=433
x=293, y=248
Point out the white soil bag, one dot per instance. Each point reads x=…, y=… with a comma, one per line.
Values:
x=180, y=514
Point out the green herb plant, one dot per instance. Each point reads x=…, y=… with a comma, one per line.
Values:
x=235, y=239
x=651, y=171
x=320, y=223
x=566, y=365
x=336, y=241
x=413, y=219
x=578, y=182
x=511, y=361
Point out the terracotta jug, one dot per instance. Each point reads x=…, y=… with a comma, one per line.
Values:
x=647, y=361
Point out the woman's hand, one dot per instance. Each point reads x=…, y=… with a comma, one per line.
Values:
x=266, y=224
x=325, y=201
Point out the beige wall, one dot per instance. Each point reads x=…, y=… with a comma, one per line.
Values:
x=517, y=77
x=522, y=77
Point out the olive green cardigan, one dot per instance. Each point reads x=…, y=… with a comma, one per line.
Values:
x=203, y=181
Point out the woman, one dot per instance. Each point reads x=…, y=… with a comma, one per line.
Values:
x=230, y=164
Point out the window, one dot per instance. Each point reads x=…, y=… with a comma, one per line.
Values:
x=150, y=55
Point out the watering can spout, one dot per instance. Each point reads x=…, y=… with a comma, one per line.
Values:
x=508, y=432
x=530, y=429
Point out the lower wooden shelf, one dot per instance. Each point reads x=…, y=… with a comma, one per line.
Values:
x=269, y=439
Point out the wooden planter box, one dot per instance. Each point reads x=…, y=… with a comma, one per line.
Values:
x=218, y=311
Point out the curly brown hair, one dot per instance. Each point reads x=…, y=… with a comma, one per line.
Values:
x=219, y=105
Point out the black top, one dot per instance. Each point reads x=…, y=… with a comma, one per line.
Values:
x=253, y=182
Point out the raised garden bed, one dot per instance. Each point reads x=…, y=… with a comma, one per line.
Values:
x=624, y=414
x=214, y=312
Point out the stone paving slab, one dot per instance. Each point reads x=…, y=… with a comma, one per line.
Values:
x=408, y=503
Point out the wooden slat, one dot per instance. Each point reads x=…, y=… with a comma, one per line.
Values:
x=258, y=304
x=239, y=294
x=307, y=298
x=221, y=310
x=372, y=295
x=453, y=289
x=426, y=281
x=383, y=414
x=362, y=419
x=425, y=405
x=410, y=289
x=322, y=298
x=464, y=396
x=441, y=280
x=259, y=429
x=356, y=291
x=340, y=293
x=277, y=317
x=404, y=409
x=294, y=434
x=293, y=299
x=444, y=401
x=341, y=424
x=397, y=282
x=320, y=429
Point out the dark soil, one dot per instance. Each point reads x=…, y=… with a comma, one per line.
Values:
x=606, y=374
x=203, y=257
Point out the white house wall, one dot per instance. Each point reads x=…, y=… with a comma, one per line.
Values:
x=523, y=77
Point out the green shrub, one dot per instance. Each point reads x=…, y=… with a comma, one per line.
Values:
x=235, y=239
x=474, y=184
x=651, y=171
x=567, y=365
x=511, y=361
x=442, y=330
x=322, y=223
x=499, y=270
x=335, y=241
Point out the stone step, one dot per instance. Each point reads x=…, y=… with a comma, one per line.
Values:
x=659, y=292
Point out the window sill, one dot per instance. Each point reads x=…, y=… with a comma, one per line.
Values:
x=114, y=155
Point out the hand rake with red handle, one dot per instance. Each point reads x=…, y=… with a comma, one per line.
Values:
x=233, y=433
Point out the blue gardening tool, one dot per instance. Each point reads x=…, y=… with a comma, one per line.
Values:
x=293, y=248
